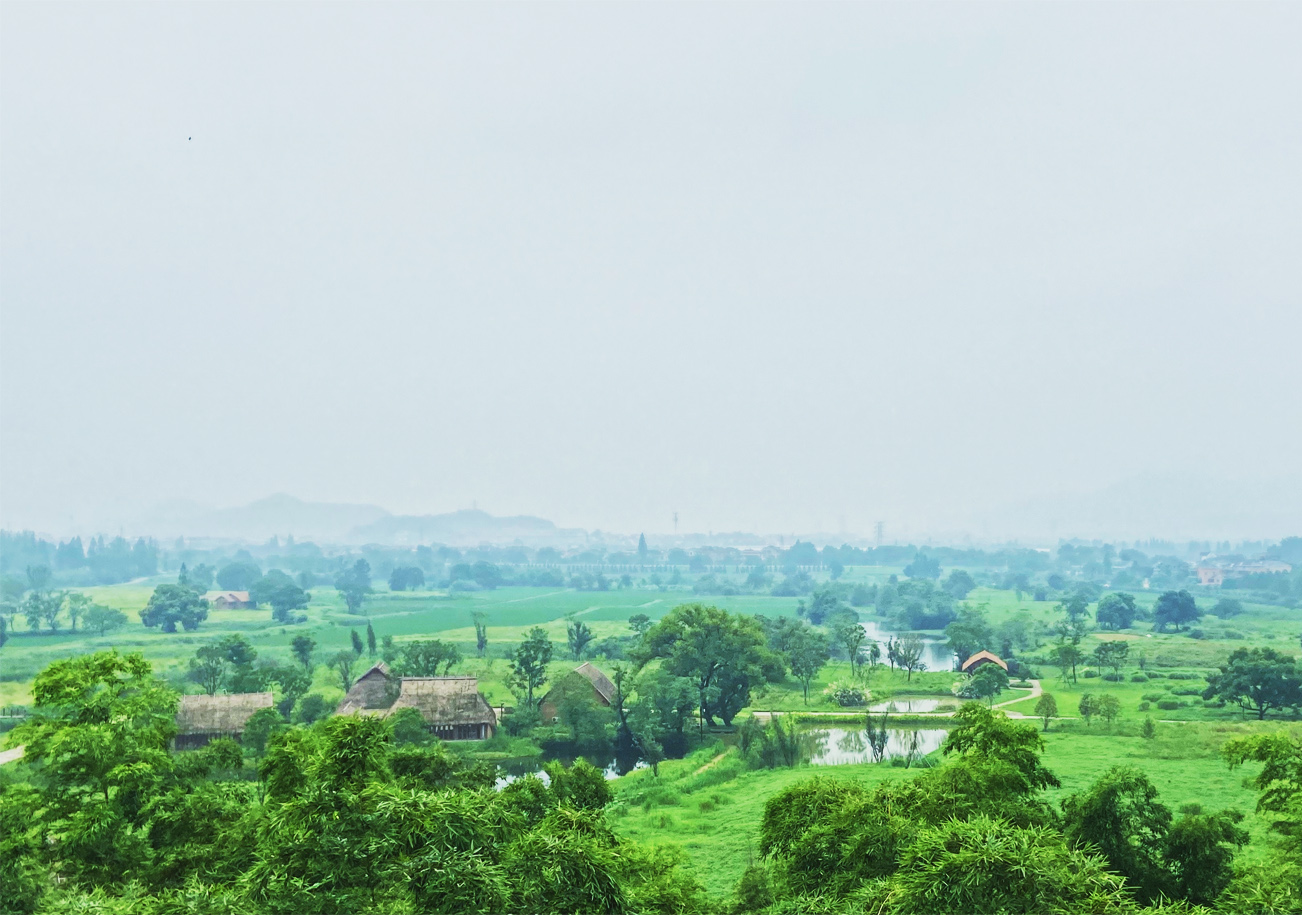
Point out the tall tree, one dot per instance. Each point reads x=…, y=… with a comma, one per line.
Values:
x=357, y=642
x=1175, y=608
x=370, y=639
x=851, y=636
x=427, y=658
x=171, y=605
x=908, y=654
x=343, y=663
x=302, y=647
x=1046, y=708
x=1258, y=680
x=1116, y=611
x=76, y=604
x=1111, y=654
x=103, y=619
x=354, y=585
x=641, y=548
x=529, y=663
x=578, y=634
x=480, y=620
x=806, y=653
x=1121, y=817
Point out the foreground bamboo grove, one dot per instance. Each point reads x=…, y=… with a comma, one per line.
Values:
x=101, y=817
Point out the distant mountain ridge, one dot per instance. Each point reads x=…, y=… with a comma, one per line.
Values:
x=468, y=527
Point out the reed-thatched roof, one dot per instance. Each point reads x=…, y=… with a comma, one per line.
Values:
x=219, y=714
x=445, y=700
x=600, y=682
x=982, y=657
x=370, y=694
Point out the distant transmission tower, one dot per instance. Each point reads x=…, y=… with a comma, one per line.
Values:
x=675, y=524
x=881, y=530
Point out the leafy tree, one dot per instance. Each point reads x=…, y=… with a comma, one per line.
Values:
x=343, y=663
x=529, y=663
x=989, y=681
x=238, y=576
x=302, y=646
x=982, y=734
x=1046, y=707
x=723, y=654
x=908, y=654
x=43, y=607
x=578, y=634
x=98, y=734
x=1200, y=851
x=486, y=575
x=1227, y=607
x=38, y=578
x=201, y=578
x=851, y=636
x=1175, y=608
x=279, y=590
x=1066, y=656
x=806, y=653
x=424, y=658
x=1108, y=707
x=370, y=639
x=480, y=620
x=1121, y=817
x=260, y=728
x=1259, y=680
x=406, y=578
x=103, y=619
x=173, y=604
x=1076, y=605
x=959, y=584
x=1088, y=707
x=639, y=623
x=969, y=633
x=76, y=604
x=1111, y=654
x=1116, y=611
x=923, y=566
x=354, y=585
x=311, y=707
x=208, y=668
x=823, y=604
x=356, y=639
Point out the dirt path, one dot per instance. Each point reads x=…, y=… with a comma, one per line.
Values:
x=1033, y=694
x=13, y=755
x=712, y=763
x=532, y=597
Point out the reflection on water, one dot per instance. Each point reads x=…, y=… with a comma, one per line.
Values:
x=907, y=706
x=935, y=653
x=611, y=767
x=840, y=747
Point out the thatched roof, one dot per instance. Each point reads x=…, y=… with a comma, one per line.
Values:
x=219, y=714
x=445, y=700
x=370, y=692
x=234, y=597
x=600, y=682
x=976, y=659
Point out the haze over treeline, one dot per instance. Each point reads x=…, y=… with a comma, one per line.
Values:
x=990, y=271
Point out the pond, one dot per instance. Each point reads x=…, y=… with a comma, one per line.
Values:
x=935, y=653
x=908, y=705
x=612, y=767
x=840, y=747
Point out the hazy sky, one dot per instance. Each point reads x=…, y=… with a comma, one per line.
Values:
x=777, y=267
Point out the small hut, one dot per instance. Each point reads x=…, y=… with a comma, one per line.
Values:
x=201, y=719
x=980, y=659
x=372, y=693
x=229, y=600
x=451, y=706
x=584, y=680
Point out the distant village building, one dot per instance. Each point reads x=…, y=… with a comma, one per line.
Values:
x=1214, y=574
x=584, y=682
x=229, y=600
x=202, y=719
x=979, y=660
x=452, y=707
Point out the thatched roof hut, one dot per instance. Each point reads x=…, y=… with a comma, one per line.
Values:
x=200, y=719
x=452, y=706
x=980, y=659
x=372, y=693
x=583, y=681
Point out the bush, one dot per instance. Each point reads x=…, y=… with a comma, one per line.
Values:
x=1155, y=674
x=1234, y=635
x=1197, y=634
x=1089, y=673
x=1182, y=676
x=1186, y=691
x=849, y=698
x=1139, y=678
x=1153, y=697
x=1144, y=706
x=1168, y=705
x=1113, y=678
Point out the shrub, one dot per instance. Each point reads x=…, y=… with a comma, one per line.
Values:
x=1186, y=691
x=1155, y=674
x=1170, y=704
x=849, y=698
x=1234, y=634
x=1152, y=697
x=1139, y=678
x=1113, y=678
x=1144, y=706
x=1197, y=634
x=1089, y=673
x=1183, y=676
